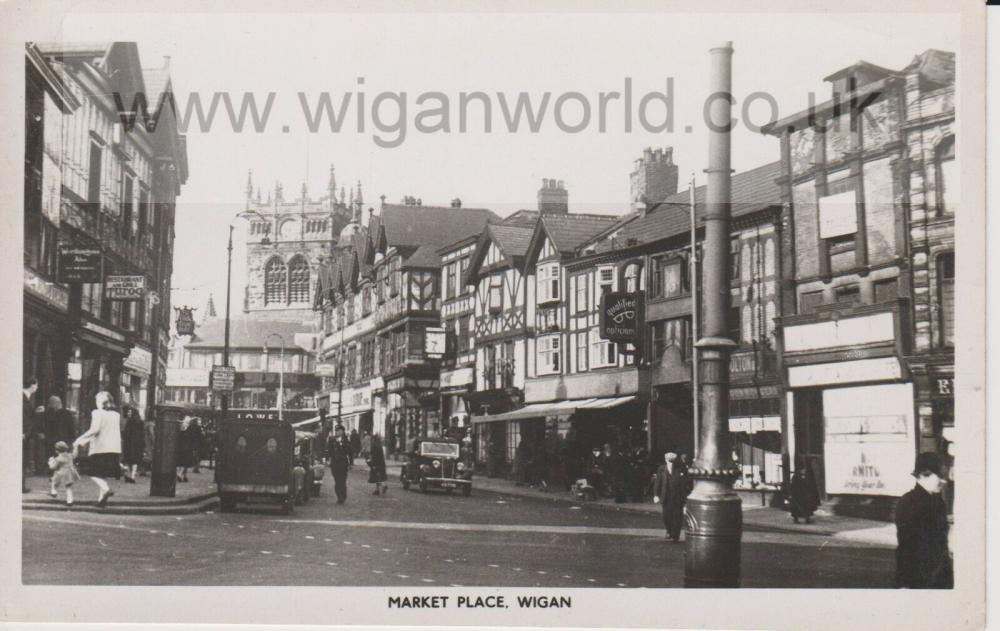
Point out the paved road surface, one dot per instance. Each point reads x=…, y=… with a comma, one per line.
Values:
x=408, y=538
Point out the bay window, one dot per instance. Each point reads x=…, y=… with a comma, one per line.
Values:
x=548, y=355
x=547, y=280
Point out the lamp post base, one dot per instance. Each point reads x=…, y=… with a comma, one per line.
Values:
x=713, y=516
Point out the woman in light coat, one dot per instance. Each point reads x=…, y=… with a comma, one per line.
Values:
x=104, y=439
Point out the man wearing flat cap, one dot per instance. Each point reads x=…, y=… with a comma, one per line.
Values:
x=923, y=560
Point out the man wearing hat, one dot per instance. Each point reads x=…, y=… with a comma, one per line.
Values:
x=923, y=560
x=671, y=492
x=339, y=450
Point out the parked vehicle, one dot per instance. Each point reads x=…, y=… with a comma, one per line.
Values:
x=436, y=463
x=309, y=469
x=256, y=460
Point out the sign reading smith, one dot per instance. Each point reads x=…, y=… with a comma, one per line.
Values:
x=622, y=316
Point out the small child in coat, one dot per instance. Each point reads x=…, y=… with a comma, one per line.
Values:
x=64, y=472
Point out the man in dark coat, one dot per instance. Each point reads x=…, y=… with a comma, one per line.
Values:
x=57, y=424
x=29, y=430
x=355, y=440
x=339, y=449
x=672, y=488
x=923, y=560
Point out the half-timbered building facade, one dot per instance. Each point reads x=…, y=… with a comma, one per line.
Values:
x=504, y=306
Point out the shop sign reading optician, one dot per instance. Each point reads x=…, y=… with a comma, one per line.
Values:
x=869, y=445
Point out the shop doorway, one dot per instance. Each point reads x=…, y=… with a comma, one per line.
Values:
x=808, y=414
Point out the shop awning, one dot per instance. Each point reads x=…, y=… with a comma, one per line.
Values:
x=555, y=408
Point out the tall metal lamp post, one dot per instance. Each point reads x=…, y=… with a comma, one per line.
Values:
x=281, y=373
x=229, y=279
x=713, y=515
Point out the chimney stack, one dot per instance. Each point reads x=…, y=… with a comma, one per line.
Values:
x=553, y=198
x=456, y=203
x=654, y=178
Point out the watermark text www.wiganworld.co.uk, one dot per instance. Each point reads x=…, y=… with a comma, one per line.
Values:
x=390, y=116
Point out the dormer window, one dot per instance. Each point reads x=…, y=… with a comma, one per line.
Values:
x=547, y=279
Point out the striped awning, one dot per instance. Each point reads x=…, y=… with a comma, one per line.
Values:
x=555, y=408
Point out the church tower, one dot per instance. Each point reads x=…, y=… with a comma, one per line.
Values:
x=284, y=249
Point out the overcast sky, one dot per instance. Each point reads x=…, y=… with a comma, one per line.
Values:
x=786, y=56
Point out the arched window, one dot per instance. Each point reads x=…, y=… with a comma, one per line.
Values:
x=298, y=280
x=275, y=282
x=947, y=177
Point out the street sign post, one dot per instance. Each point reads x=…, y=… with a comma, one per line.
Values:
x=223, y=378
x=126, y=288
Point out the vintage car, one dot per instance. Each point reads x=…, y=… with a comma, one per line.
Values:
x=256, y=460
x=309, y=469
x=436, y=463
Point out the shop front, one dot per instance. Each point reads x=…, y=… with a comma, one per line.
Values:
x=356, y=413
x=98, y=359
x=412, y=409
x=852, y=409
x=136, y=370
x=455, y=402
x=46, y=350
x=755, y=419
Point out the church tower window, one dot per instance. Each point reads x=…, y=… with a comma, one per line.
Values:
x=276, y=281
x=298, y=276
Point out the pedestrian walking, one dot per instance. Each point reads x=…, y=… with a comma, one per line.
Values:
x=148, y=440
x=64, y=472
x=803, y=494
x=672, y=488
x=28, y=429
x=340, y=460
x=366, y=445
x=57, y=424
x=104, y=442
x=376, y=466
x=923, y=560
x=187, y=447
x=133, y=442
x=355, y=440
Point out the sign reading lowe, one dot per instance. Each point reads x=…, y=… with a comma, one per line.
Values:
x=622, y=316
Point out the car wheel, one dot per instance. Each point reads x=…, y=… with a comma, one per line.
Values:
x=423, y=486
x=467, y=490
x=450, y=491
x=227, y=504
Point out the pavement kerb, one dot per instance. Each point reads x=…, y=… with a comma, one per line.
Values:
x=646, y=509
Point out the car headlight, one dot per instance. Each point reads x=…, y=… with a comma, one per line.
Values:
x=437, y=464
x=460, y=466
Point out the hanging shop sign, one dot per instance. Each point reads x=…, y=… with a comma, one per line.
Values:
x=80, y=265
x=185, y=320
x=622, y=315
x=223, y=378
x=126, y=288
